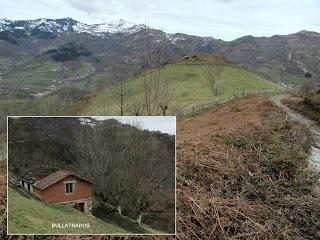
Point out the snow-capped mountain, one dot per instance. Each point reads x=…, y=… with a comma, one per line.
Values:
x=112, y=27
x=65, y=25
x=102, y=46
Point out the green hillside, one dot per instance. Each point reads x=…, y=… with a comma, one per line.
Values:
x=45, y=73
x=189, y=86
x=27, y=215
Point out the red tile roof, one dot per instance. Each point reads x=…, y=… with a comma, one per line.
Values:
x=52, y=179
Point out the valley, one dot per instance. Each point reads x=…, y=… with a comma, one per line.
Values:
x=42, y=56
x=248, y=155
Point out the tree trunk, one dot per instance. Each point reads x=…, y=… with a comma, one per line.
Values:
x=139, y=219
x=119, y=210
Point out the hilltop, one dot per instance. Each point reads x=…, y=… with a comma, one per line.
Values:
x=187, y=84
x=44, y=55
x=28, y=66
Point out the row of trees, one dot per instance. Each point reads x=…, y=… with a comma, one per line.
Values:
x=130, y=168
x=156, y=89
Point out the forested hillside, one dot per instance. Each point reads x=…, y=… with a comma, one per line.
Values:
x=131, y=169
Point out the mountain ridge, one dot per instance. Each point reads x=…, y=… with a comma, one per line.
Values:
x=27, y=45
x=110, y=27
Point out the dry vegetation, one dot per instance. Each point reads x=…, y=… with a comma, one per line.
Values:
x=308, y=105
x=242, y=174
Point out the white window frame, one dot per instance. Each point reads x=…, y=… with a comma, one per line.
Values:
x=73, y=187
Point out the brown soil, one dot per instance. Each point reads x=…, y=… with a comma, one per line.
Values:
x=241, y=113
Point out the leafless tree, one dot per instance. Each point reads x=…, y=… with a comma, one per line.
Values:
x=131, y=169
x=106, y=106
x=135, y=106
x=156, y=88
x=166, y=97
x=214, y=75
x=121, y=74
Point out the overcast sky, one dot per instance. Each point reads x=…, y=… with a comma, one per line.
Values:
x=153, y=123
x=224, y=19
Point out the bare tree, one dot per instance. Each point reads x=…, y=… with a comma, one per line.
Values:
x=106, y=106
x=214, y=75
x=166, y=97
x=121, y=74
x=136, y=166
x=135, y=106
x=156, y=91
x=12, y=101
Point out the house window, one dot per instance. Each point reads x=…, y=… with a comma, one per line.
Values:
x=69, y=188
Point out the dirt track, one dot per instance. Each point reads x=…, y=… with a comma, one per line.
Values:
x=314, y=128
x=294, y=115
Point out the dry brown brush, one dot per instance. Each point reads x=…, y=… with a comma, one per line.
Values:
x=252, y=183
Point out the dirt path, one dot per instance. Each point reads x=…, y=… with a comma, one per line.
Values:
x=314, y=128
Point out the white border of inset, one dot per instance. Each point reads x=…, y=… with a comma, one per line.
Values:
x=95, y=234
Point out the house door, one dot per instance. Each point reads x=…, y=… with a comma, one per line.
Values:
x=79, y=206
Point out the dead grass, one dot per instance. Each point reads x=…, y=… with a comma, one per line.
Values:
x=245, y=176
x=3, y=205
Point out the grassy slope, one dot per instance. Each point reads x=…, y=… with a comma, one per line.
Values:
x=273, y=72
x=27, y=215
x=190, y=87
x=43, y=74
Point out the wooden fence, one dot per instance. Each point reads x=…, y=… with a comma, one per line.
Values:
x=212, y=105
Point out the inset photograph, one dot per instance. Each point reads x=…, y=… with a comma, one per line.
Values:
x=91, y=175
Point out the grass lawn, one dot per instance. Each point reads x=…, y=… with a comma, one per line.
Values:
x=28, y=215
x=189, y=86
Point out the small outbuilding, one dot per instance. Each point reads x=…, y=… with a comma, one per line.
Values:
x=52, y=185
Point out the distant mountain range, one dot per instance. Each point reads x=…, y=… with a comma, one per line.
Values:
x=55, y=27
x=73, y=50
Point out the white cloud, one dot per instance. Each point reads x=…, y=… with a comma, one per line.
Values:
x=226, y=19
